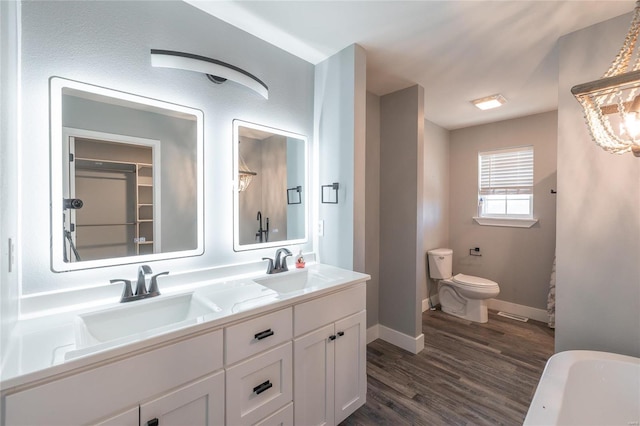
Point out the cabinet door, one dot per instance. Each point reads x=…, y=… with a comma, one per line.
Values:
x=198, y=403
x=313, y=386
x=350, y=365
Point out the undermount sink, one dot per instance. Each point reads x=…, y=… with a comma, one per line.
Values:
x=295, y=281
x=136, y=320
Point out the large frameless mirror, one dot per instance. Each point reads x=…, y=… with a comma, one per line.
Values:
x=126, y=177
x=271, y=186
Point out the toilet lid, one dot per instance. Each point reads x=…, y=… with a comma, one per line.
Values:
x=472, y=281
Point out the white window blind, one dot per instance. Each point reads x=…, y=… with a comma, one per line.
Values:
x=506, y=171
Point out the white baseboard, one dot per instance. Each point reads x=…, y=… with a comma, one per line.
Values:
x=373, y=333
x=522, y=310
x=411, y=344
x=434, y=301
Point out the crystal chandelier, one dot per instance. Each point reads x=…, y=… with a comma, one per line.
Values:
x=245, y=175
x=612, y=104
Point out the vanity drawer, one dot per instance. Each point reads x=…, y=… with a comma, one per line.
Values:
x=259, y=386
x=283, y=417
x=319, y=312
x=256, y=335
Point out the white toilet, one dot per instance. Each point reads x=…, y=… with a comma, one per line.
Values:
x=464, y=296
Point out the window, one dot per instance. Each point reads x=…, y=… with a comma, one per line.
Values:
x=505, y=183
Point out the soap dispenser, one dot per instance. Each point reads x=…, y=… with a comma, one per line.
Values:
x=300, y=260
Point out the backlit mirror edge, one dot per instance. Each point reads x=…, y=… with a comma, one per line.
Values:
x=56, y=85
x=237, y=247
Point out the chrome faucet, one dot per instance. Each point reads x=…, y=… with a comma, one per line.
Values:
x=144, y=271
x=280, y=263
x=143, y=290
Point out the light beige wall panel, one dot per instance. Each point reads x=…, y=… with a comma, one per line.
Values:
x=436, y=194
x=598, y=270
x=372, y=197
x=518, y=259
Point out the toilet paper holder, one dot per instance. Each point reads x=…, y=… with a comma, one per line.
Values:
x=475, y=251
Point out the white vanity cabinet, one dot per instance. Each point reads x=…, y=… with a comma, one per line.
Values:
x=127, y=391
x=330, y=357
x=301, y=362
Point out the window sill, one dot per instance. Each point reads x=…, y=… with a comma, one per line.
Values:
x=505, y=221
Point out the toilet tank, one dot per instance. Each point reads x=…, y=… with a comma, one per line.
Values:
x=440, y=261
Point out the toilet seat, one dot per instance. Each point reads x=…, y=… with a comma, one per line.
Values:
x=473, y=282
x=473, y=287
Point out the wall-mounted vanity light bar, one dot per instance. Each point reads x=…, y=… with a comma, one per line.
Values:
x=217, y=71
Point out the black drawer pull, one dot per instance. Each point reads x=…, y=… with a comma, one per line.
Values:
x=153, y=422
x=264, y=334
x=332, y=337
x=340, y=333
x=262, y=387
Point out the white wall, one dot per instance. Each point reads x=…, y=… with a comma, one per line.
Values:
x=436, y=195
x=108, y=44
x=518, y=259
x=340, y=102
x=598, y=241
x=9, y=171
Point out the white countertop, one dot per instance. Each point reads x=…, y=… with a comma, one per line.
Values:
x=45, y=346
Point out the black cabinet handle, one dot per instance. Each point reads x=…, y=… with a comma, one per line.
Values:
x=332, y=337
x=153, y=422
x=340, y=333
x=262, y=387
x=264, y=334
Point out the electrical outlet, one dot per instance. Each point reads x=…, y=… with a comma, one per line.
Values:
x=321, y=228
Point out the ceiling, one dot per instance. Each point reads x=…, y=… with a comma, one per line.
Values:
x=456, y=50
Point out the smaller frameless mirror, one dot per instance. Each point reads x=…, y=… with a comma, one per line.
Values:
x=126, y=178
x=271, y=188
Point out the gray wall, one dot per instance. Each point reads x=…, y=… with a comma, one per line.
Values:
x=518, y=259
x=598, y=241
x=340, y=102
x=108, y=44
x=402, y=266
x=372, y=195
x=436, y=196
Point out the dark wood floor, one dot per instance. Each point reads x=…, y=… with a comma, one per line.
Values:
x=467, y=374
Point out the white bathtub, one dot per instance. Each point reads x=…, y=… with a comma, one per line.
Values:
x=587, y=388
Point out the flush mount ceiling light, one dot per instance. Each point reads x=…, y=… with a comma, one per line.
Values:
x=217, y=71
x=489, y=102
x=612, y=104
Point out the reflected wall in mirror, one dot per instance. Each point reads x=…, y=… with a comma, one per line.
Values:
x=270, y=166
x=126, y=178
